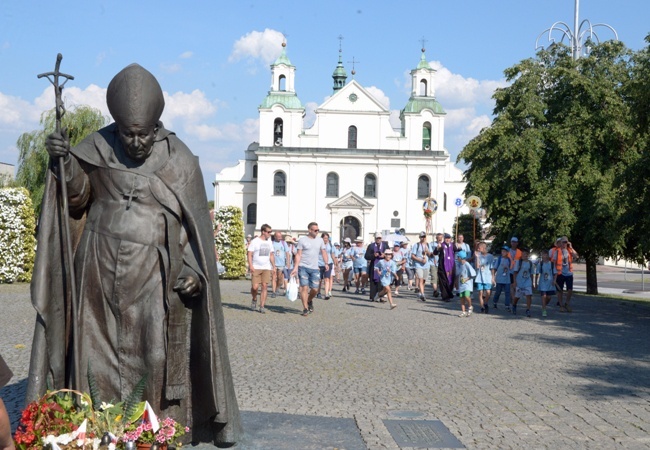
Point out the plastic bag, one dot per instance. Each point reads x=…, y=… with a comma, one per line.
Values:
x=292, y=289
x=220, y=268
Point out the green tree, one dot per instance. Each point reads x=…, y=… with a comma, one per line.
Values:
x=33, y=160
x=548, y=164
x=635, y=193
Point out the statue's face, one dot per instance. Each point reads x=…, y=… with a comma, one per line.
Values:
x=137, y=140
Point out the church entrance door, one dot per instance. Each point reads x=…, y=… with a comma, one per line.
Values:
x=350, y=228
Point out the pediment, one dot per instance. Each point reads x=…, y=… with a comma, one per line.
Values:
x=350, y=200
x=342, y=101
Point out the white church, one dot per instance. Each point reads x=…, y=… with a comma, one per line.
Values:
x=351, y=171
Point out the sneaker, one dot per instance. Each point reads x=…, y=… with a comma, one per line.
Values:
x=463, y=314
x=376, y=297
x=487, y=308
x=421, y=298
x=363, y=291
x=357, y=291
x=318, y=295
x=310, y=305
x=568, y=308
x=508, y=309
x=436, y=294
x=528, y=313
x=253, y=305
x=272, y=294
x=470, y=310
x=345, y=288
x=514, y=309
x=544, y=313
x=482, y=309
x=494, y=305
x=305, y=312
x=262, y=310
x=329, y=295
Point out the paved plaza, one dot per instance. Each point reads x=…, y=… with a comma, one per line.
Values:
x=578, y=380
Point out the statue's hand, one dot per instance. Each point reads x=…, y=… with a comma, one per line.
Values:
x=188, y=286
x=58, y=144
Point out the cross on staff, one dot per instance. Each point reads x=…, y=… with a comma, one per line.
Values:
x=53, y=78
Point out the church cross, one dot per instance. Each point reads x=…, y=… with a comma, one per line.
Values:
x=131, y=195
x=353, y=63
x=423, y=41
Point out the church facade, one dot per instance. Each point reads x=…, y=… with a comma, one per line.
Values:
x=351, y=171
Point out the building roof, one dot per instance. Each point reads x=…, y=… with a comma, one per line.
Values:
x=283, y=58
x=289, y=100
x=418, y=104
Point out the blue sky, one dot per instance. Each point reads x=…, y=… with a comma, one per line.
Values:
x=212, y=58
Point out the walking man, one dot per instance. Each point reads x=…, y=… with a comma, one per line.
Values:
x=306, y=266
x=563, y=260
x=374, y=254
x=261, y=260
x=282, y=262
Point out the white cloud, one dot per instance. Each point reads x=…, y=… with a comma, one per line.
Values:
x=186, y=55
x=379, y=96
x=310, y=114
x=454, y=90
x=170, y=67
x=189, y=108
x=258, y=45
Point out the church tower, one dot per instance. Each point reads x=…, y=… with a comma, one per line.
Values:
x=339, y=74
x=423, y=117
x=281, y=112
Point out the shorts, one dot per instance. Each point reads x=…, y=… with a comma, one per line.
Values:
x=287, y=273
x=386, y=285
x=308, y=277
x=326, y=271
x=410, y=273
x=360, y=270
x=465, y=294
x=261, y=276
x=347, y=265
x=547, y=293
x=483, y=286
x=421, y=273
x=521, y=292
x=561, y=279
x=433, y=271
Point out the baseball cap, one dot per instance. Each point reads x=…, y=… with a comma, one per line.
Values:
x=348, y=240
x=377, y=235
x=505, y=247
x=461, y=254
x=358, y=239
x=336, y=244
x=514, y=239
x=396, y=244
x=388, y=252
x=423, y=234
x=447, y=236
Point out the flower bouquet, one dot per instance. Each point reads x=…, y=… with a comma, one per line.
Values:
x=145, y=434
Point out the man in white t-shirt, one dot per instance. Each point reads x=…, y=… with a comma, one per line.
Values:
x=306, y=266
x=261, y=261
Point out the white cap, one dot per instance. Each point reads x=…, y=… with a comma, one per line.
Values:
x=377, y=235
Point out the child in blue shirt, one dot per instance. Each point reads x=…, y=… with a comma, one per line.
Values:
x=501, y=267
x=523, y=281
x=485, y=276
x=386, y=271
x=465, y=282
x=546, y=270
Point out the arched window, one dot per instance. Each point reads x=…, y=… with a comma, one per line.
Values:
x=255, y=172
x=278, y=130
x=370, y=186
x=424, y=186
x=280, y=183
x=282, y=83
x=423, y=87
x=332, y=188
x=426, y=136
x=352, y=137
x=251, y=214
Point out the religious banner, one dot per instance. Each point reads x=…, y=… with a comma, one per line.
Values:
x=429, y=208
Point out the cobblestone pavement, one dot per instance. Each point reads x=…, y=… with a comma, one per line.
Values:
x=578, y=380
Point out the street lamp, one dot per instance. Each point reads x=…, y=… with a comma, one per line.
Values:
x=578, y=36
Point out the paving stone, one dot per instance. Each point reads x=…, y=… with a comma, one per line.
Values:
x=496, y=381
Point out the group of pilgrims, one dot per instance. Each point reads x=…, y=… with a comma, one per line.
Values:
x=380, y=269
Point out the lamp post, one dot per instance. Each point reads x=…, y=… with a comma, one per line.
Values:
x=582, y=31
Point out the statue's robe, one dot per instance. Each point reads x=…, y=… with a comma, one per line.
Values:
x=136, y=233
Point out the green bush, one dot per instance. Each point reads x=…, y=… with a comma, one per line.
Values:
x=17, y=225
x=230, y=241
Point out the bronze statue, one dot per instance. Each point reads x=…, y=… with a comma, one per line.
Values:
x=144, y=268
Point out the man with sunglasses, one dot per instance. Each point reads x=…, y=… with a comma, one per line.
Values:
x=261, y=260
x=306, y=266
